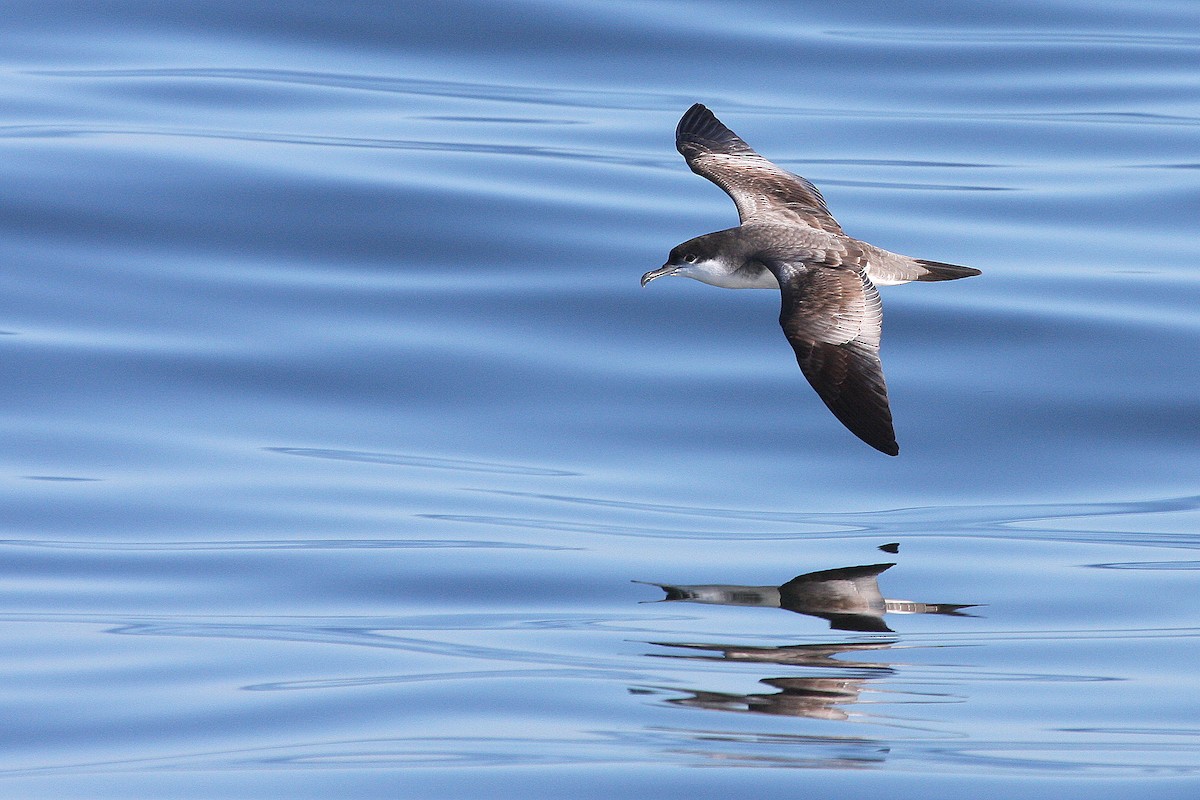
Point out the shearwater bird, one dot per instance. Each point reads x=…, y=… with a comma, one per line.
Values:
x=788, y=240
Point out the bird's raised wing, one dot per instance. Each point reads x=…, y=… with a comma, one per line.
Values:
x=761, y=191
x=833, y=318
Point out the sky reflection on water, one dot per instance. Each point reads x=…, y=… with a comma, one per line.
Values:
x=338, y=429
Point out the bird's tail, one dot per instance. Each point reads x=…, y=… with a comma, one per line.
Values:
x=940, y=271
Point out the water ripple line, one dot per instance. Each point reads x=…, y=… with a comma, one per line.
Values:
x=582, y=97
x=424, y=462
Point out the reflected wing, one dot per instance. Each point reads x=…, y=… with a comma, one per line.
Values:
x=761, y=191
x=833, y=318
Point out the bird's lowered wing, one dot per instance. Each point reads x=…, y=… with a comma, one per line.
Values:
x=832, y=316
x=761, y=191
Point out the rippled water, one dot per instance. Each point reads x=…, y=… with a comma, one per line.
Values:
x=345, y=457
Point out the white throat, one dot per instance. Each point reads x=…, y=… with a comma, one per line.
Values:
x=718, y=272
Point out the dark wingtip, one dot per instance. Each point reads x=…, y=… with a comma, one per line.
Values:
x=851, y=385
x=876, y=432
x=874, y=427
x=699, y=127
x=691, y=118
x=885, y=446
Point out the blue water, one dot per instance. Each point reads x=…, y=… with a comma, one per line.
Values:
x=337, y=430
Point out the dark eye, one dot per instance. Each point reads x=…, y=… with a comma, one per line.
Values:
x=690, y=258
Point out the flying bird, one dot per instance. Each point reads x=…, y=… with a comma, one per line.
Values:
x=788, y=240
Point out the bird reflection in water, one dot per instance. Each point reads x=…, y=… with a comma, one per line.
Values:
x=849, y=598
x=812, y=697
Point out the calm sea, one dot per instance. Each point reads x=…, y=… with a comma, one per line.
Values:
x=344, y=457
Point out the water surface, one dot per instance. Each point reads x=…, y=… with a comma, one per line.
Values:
x=343, y=451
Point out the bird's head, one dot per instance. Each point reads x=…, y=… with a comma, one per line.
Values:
x=700, y=258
